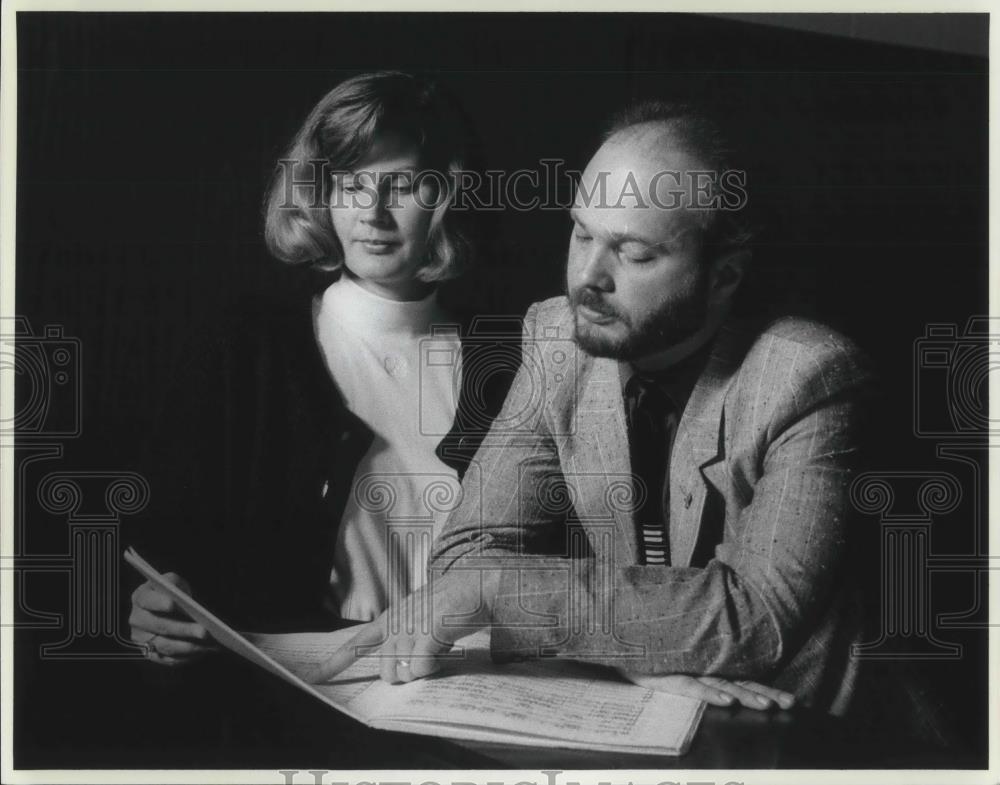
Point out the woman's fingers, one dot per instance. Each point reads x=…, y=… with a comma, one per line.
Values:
x=176, y=580
x=164, y=659
x=152, y=598
x=174, y=647
x=144, y=620
x=168, y=640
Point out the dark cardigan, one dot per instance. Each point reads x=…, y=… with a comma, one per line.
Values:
x=251, y=480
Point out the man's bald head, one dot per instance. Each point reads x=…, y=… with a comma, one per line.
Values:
x=681, y=138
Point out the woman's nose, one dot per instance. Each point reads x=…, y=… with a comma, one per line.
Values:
x=376, y=211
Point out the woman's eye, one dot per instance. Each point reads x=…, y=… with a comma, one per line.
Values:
x=580, y=237
x=349, y=188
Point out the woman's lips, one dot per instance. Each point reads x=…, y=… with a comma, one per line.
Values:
x=378, y=246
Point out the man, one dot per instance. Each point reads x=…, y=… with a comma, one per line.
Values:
x=695, y=471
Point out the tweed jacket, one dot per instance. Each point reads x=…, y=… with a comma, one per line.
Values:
x=759, y=510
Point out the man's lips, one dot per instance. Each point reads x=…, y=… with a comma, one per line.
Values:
x=591, y=308
x=594, y=316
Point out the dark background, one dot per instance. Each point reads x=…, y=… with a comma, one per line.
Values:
x=145, y=143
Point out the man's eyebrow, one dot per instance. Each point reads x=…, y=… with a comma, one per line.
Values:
x=617, y=237
x=620, y=238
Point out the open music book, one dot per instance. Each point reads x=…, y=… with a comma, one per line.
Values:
x=538, y=703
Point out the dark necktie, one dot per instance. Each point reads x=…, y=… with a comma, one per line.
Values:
x=652, y=417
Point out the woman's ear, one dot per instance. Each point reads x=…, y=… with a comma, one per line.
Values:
x=727, y=273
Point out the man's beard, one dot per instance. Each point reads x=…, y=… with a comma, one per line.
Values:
x=678, y=318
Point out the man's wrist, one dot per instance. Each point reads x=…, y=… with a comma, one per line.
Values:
x=464, y=599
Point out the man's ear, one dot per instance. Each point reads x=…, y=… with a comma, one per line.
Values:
x=727, y=273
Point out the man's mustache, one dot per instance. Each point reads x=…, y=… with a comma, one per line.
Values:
x=593, y=301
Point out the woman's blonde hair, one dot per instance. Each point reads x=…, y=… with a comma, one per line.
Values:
x=336, y=135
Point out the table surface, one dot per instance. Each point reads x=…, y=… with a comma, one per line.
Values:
x=226, y=713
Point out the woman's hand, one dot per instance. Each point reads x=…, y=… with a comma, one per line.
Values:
x=716, y=691
x=158, y=625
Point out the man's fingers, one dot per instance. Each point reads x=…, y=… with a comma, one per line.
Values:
x=142, y=619
x=687, y=686
x=423, y=659
x=751, y=698
x=784, y=699
x=395, y=660
x=715, y=690
x=370, y=634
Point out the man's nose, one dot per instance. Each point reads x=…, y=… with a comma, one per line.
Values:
x=594, y=265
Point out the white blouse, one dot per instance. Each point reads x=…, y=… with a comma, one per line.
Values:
x=402, y=380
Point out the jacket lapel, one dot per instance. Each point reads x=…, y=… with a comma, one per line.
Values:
x=601, y=448
x=697, y=459
x=600, y=460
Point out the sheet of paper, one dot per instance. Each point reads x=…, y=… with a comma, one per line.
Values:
x=230, y=638
x=551, y=703
x=555, y=704
x=300, y=651
x=303, y=650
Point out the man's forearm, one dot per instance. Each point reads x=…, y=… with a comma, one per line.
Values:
x=643, y=619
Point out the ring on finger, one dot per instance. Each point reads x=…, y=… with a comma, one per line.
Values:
x=148, y=649
x=402, y=663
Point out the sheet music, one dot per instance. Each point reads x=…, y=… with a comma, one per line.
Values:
x=549, y=700
x=549, y=703
x=300, y=651
x=304, y=650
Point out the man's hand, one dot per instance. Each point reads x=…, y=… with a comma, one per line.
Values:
x=409, y=637
x=716, y=691
x=158, y=624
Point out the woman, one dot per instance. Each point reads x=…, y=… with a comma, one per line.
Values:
x=336, y=475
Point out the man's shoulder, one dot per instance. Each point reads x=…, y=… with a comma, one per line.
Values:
x=546, y=315
x=787, y=337
x=799, y=355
